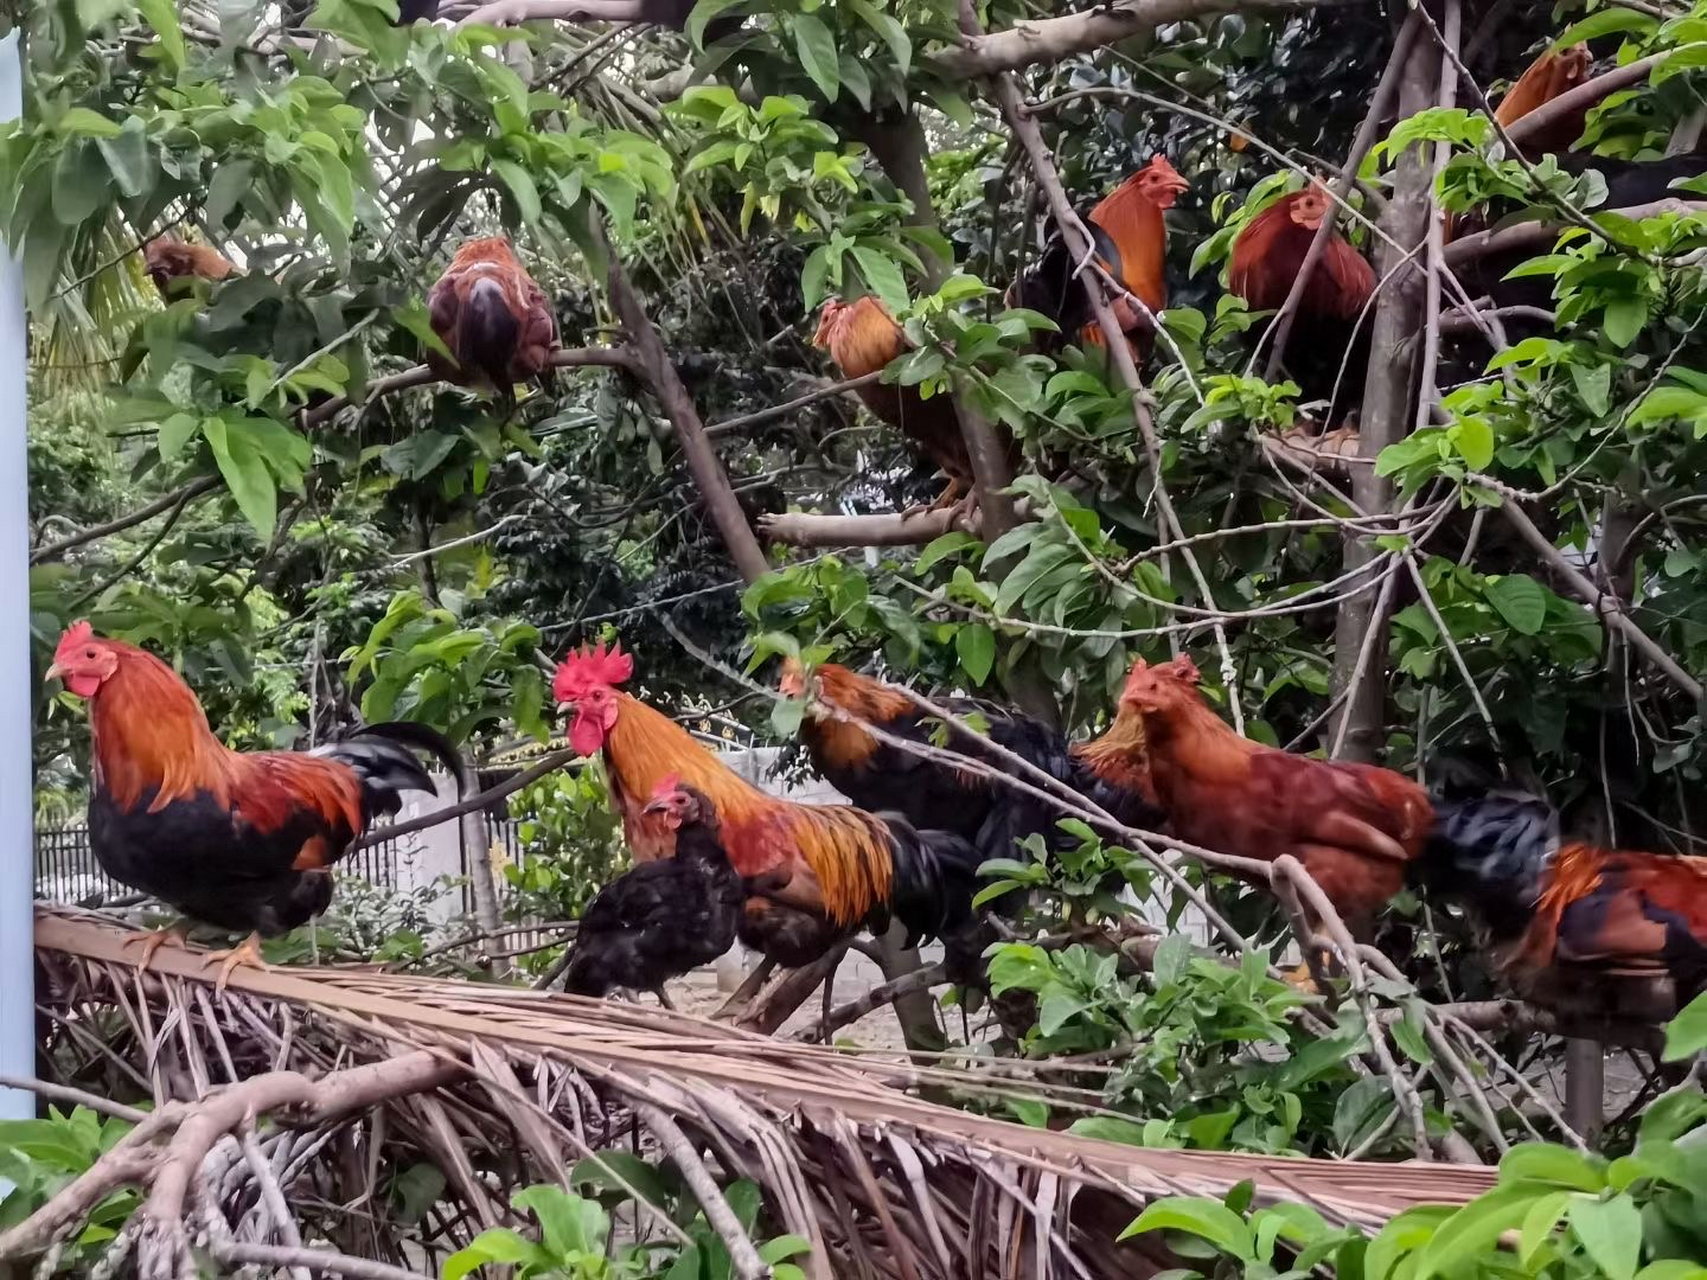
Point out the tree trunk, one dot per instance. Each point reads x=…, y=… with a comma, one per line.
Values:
x=1387, y=398
x=653, y=364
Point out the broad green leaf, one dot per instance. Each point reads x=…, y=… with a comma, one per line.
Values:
x=1539, y=1223
x=888, y=30
x=1520, y=600
x=246, y=474
x=1609, y=21
x=1545, y=1162
x=702, y=14
x=1473, y=1230
x=1475, y=441
x=127, y=158
x=174, y=433
x=883, y=277
x=1686, y=1034
x=80, y=183
x=976, y=645
x=520, y=185
x=1624, y=320
x=1594, y=384
x=1199, y=1216
x=499, y=1244
x=816, y=45
x=81, y=120
x=1610, y=1232
x=162, y=15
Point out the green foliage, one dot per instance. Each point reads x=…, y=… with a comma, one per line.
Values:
x=571, y=845
x=1555, y=1212
x=39, y=1158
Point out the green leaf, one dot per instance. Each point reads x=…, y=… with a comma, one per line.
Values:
x=1475, y=441
x=174, y=433
x=87, y=123
x=1539, y=1222
x=568, y=1223
x=702, y=14
x=976, y=645
x=79, y=184
x=1594, y=384
x=1624, y=320
x=1199, y=1216
x=246, y=474
x=1173, y=959
x=1686, y=1034
x=1609, y=21
x=127, y=158
x=888, y=30
x=882, y=276
x=1056, y=1009
x=1520, y=600
x=162, y=15
x=499, y=1244
x=231, y=182
x=1610, y=1232
x=1473, y=1230
x=946, y=545
x=1668, y=402
x=521, y=186
x=1546, y=1162
x=816, y=45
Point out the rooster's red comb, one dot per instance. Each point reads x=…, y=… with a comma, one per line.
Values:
x=588, y=667
x=79, y=632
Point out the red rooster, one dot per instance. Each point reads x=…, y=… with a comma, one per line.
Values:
x=169, y=259
x=1354, y=827
x=862, y=338
x=1555, y=72
x=492, y=316
x=1575, y=928
x=836, y=866
x=1130, y=237
x=937, y=795
x=1266, y=258
x=240, y=840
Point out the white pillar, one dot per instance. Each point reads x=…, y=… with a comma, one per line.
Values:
x=17, y=844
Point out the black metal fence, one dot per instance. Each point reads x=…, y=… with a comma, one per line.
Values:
x=66, y=870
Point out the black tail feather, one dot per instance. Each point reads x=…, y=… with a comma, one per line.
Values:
x=935, y=875
x=1492, y=852
x=383, y=757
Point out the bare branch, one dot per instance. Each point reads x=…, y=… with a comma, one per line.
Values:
x=1052, y=39
x=167, y=502
x=789, y=406
x=898, y=529
x=479, y=800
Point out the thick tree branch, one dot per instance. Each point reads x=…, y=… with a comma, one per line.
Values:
x=904, y=529
x=653, y=363
x=1537, y=235
x=1584, y=95
x=177, y=498
x=789, y=406
x=1052, y=39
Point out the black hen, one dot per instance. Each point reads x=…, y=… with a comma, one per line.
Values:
x=663, y=918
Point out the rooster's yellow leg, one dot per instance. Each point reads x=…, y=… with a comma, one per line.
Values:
x=151, y=940
x=246, y=952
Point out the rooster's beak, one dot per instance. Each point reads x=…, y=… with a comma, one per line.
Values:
x=54, y=672
x=657, y=806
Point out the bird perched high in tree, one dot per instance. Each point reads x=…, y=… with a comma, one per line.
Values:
x=1555, y=72
x=1354, y=827
x=170, y=260
x=1130, y=239
x=936, y=794
x=493, y=318
x=1326, y=333
x=1574, y=928
x=240, y=840
x=863, y=338
x=833, y=863
x=663, y=918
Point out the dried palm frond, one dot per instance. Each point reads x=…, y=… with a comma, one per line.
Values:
x=498, y=1086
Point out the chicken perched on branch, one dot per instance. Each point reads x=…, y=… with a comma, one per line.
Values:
x=828, y=870
x=240, y=840
x=493, y=318
x=1130, y=239
x=1575, y=928
x=1325, y=333
x=1555, y=72
x=862, y=338
x=1354, y=827
x=936, y=794
x=663, y=918
x=170, y=259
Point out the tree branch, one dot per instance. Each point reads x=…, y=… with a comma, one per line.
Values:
x=177, y=498
x=1052, y=39
x=1583, y=96
x=906, y=529
x=789, y=406
x=479, y=800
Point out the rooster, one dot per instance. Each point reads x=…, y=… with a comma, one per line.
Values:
x=862, y=338
x=1130, y=239
x=1575, y=928
x=493, y=318
x=240, y=840
x=1555, y=72
x=1325, y=331
x=1354, y=827
x=937, y=795
x=661, y=919
x=841, y=867
x=169, y=260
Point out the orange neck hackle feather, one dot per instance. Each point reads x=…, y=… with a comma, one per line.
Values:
x=845, y=848
x=1267, y=253
x=1121, y=756
x=861, y=337
x=842, y=742
x=1555, y=72
x=1131, y=214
